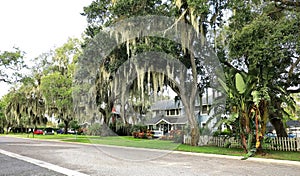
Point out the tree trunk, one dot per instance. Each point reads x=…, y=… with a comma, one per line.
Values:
x=103, y=112
x=195, y=134
x=244, y=142
x=276, y=119
x=242, y=134
x=123, y=104
x=66, y=122
x=258, y=133
x=264, y=111
x=279, y=127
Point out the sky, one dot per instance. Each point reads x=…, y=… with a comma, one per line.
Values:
x=37, y=26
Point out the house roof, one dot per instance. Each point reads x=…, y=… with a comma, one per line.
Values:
x=165, y=105
x=170, y=120
x=170, y=104
x=293, y=123
x=290, y=123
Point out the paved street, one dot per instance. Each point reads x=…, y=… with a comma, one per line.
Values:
x=12, y=166
x=112, y=161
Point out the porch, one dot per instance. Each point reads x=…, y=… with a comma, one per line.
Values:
x=166, y=124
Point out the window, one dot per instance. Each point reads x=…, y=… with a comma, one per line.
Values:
x=204, y=109
x=172, y=112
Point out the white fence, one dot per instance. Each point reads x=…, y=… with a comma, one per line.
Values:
x=280, y=143
x=285, y=144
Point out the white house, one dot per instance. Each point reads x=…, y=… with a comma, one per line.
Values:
x=169, y=115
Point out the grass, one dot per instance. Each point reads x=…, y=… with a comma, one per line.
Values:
x=211, y=150
x=129, y=141
x=56, y=136
x=126, y=141
x=281, y=155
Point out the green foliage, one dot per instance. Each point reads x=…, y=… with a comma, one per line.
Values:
x=57, y=90
x=3, y=121
x=48, y=90
x=138, y=128
x=61, y=125
x=11, y=62
x=177, y=136
x=56, y=81
x=225, y=133
x=202, y=15
x=260, y=53
x=94, y=129
x=239, y=83
x=74, y=124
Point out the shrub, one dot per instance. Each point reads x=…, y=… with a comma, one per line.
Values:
x=94, y=130
x=124, y=130
x=225, y=133
x=142, y=135
x=138, y=128
x=177, y=136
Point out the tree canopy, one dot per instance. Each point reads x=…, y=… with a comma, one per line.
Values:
x=11, y=62
x=257, y=44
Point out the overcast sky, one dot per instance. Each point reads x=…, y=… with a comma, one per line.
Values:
x=36, y=26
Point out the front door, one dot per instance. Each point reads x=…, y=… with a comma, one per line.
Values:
x=164, y=128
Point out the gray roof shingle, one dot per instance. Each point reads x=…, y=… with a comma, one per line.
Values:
x=293, y=123
x=170, y=120
x=165, y=104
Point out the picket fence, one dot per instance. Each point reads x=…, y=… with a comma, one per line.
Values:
x=285, y=144
x=279, y=143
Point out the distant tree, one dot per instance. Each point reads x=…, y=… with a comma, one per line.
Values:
x=25, y=106
x=56, y=82
x=47, y=92
x=3, y=121
x=11, y=62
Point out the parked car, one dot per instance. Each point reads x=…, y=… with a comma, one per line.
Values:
x=271, y=135
x=60, y=131
x=38, y=131
x=157, y=134
x=291, y=135
x=48, y=131
x=72, y=131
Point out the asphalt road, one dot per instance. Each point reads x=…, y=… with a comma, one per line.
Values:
x=12, y=166
x=119, y=161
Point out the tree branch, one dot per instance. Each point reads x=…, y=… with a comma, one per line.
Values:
x=293, y=66
x=288, y=3
x=181, y=16
x=294, y=90
x=4, y=80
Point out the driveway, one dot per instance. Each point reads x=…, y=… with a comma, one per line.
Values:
x=119, y=161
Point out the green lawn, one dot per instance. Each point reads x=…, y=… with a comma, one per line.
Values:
x=280, y=155
x=129, y=141
x=56, y=136
x=211, y=150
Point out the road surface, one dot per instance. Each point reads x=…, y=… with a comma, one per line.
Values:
x=84, y=159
